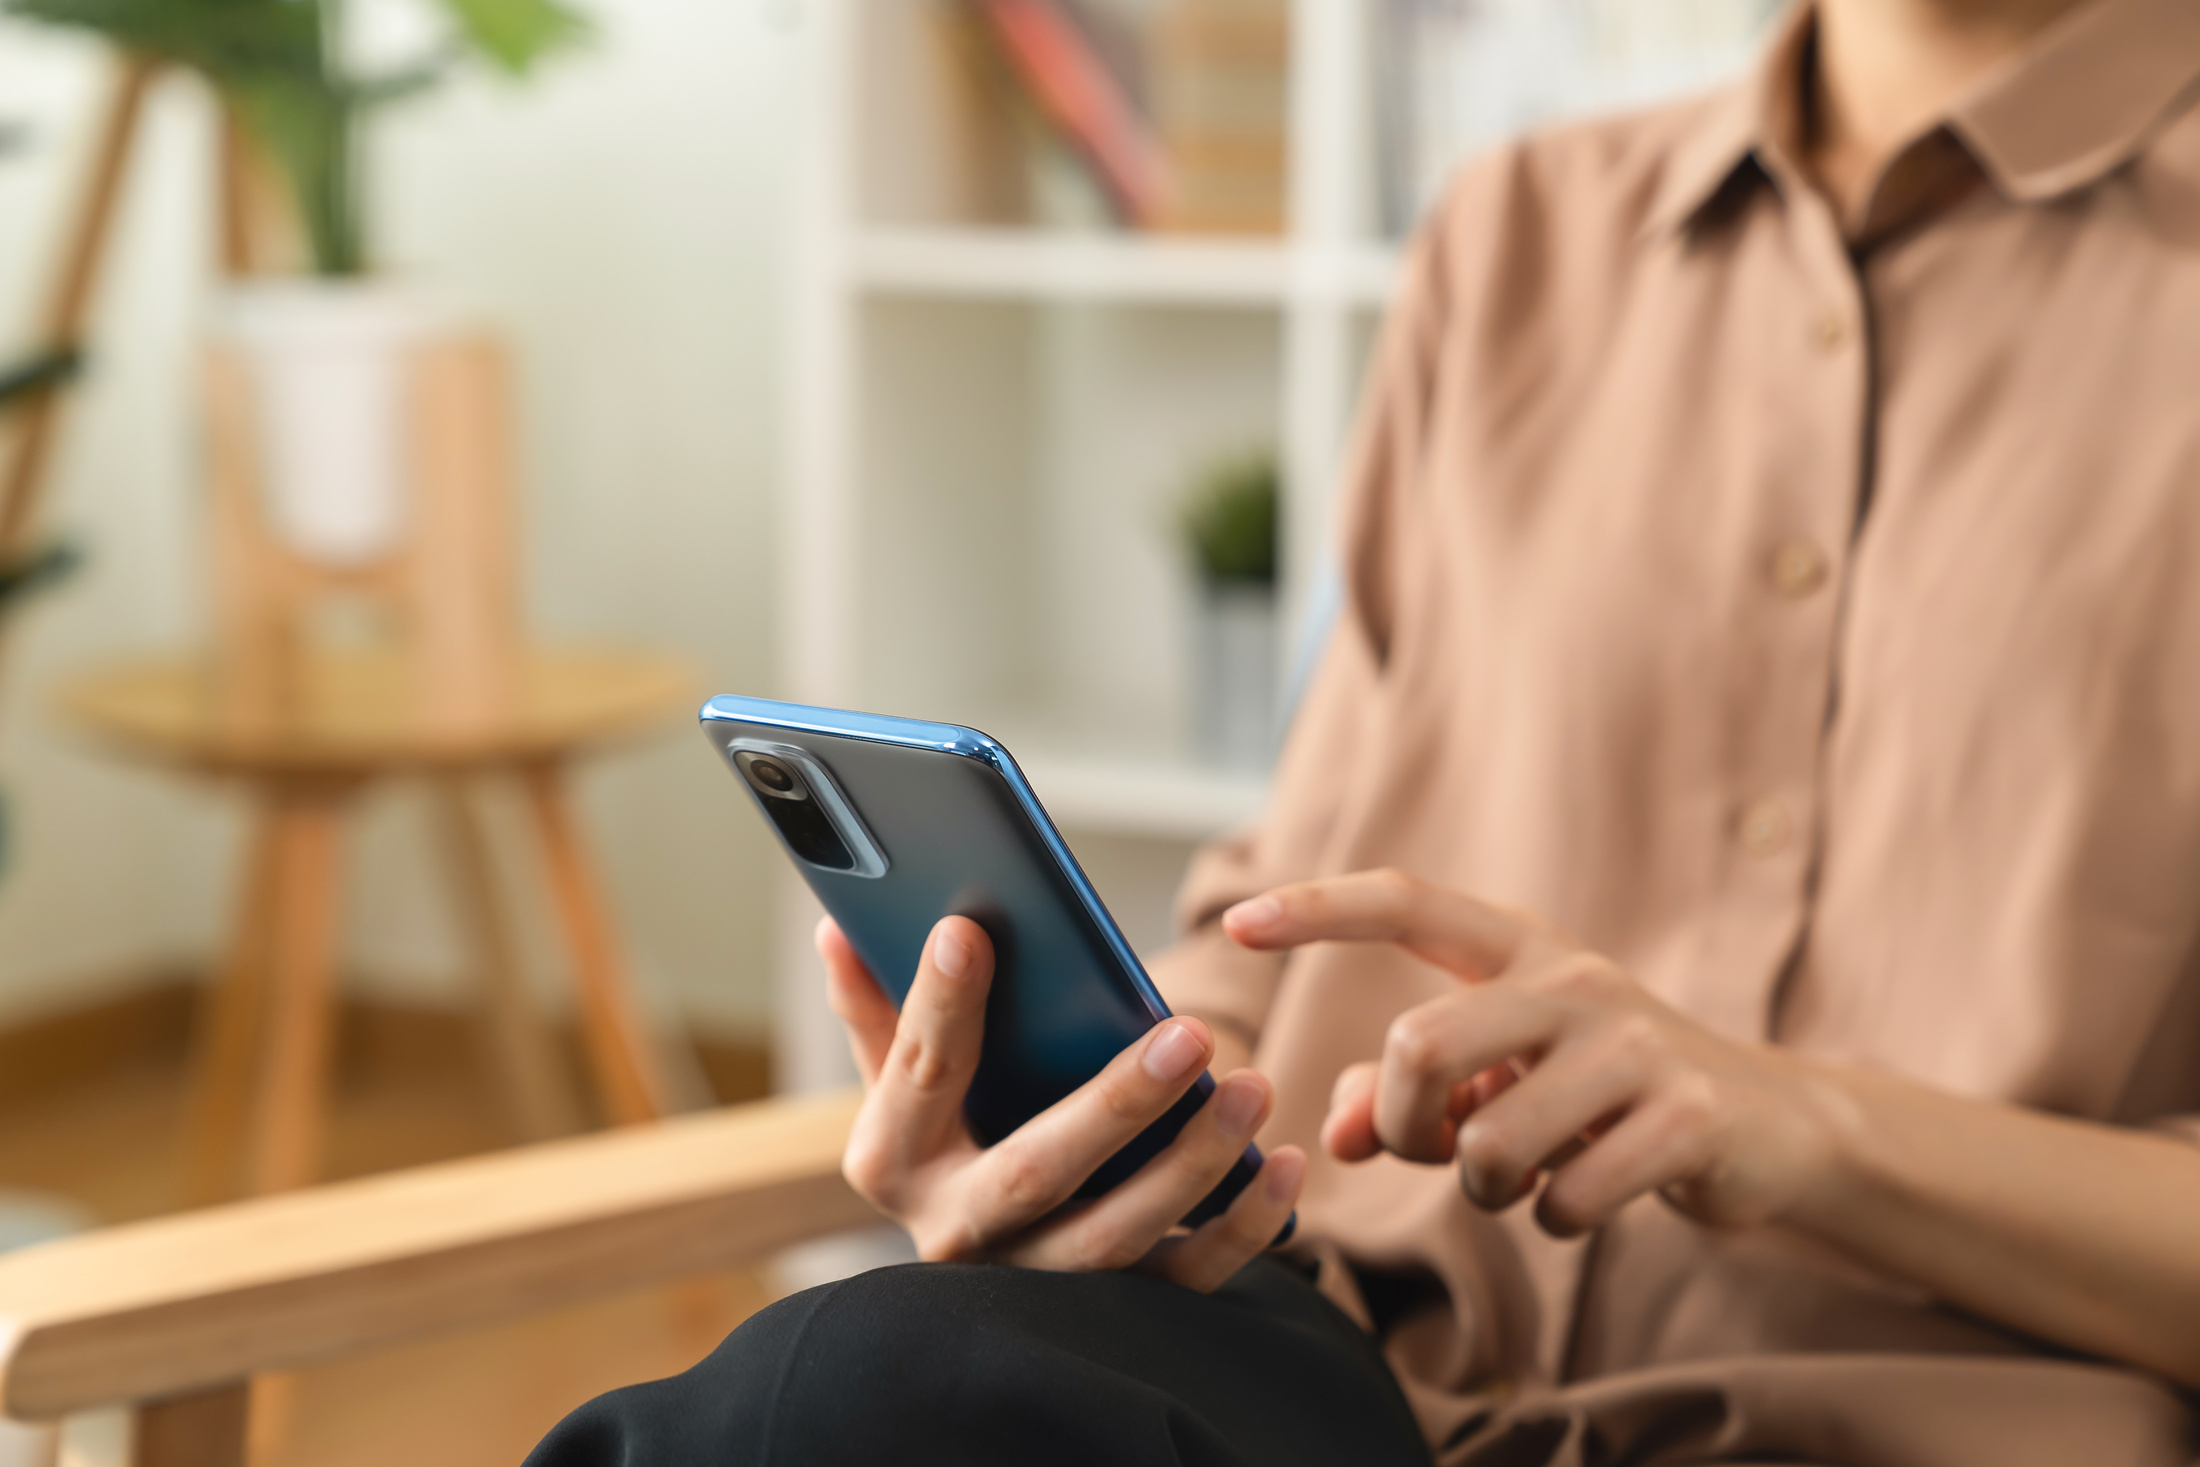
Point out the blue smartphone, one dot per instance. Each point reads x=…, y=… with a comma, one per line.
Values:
x=896, y=824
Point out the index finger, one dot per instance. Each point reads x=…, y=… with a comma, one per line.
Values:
x=1450, y=929
x=937, y=1038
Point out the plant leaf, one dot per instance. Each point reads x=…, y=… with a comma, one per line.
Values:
x=306, y=126
x=514, y=34
x=219, y=37
x=272, y=59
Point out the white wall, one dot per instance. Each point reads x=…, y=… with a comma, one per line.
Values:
x=624, y=218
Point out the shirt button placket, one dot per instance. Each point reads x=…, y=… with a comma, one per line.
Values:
x=1773, y=829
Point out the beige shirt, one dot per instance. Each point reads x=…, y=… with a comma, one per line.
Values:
x=1809, y=618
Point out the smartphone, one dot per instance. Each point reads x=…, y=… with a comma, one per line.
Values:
x=895, y=824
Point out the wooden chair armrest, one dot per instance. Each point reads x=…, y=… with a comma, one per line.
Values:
x=196, y=1302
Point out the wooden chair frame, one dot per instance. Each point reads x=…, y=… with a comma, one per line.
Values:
x=173, y=1317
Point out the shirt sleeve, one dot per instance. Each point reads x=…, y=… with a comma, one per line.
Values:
x=1206, y=974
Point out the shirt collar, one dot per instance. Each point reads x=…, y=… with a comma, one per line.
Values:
x=2078, y=102
x=2084, y=98
x=1736, y=129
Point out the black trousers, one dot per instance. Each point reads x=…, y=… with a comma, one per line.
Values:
x=977, y=1365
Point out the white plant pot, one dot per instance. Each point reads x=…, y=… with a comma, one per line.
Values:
x=1234, y=689
x=327, y=362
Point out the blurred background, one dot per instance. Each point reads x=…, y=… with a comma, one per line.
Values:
x=984, y=360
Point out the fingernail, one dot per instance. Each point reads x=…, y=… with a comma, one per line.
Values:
x=1280, y=1178
x=1238, y=1107
x=1173, y=1053
x=1260, y=911
x=950, y=954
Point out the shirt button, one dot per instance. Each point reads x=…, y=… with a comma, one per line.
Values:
x=1830, y=330
x=1766, y=829
x=1798, y=569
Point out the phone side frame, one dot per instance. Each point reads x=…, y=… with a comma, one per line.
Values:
x=967, y=743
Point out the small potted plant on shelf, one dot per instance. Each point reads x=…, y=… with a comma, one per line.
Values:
x=1229, y=526
x=325, y=351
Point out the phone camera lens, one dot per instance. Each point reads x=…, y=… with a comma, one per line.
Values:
x=772, y=775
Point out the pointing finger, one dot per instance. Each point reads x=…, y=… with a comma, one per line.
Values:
x=1468, y=937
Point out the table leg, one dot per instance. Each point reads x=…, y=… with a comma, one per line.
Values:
x=293, y=1101
x=196, y=1431
x=626, y=1068
x=519, y=1045
x=227, y=1030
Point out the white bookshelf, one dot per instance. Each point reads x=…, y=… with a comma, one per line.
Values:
x=989, y=426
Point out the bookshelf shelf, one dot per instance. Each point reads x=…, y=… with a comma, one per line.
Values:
x=1033, y=264
x=1366, y=274
x=991, y=427
x=1048, y=265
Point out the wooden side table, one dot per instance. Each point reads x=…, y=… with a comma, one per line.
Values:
x=262, y=1055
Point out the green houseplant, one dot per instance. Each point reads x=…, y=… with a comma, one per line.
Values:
x=327, y=354
x=1228, y=521
x=280, y=65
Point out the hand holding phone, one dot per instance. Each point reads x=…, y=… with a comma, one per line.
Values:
x=1034, y=1100
x=912, y=1154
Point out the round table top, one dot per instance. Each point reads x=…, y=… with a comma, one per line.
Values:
x=362, y=714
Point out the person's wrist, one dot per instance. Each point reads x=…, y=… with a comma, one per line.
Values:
x=1826, y=1147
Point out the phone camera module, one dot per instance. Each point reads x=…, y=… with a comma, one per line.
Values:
x=797, y=795
x=809, y=830
x=772, y=775
x=772, y=778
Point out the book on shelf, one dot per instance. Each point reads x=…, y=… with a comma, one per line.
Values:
x=1073, y=87
x=1116, y=30
x=1221, y=73
x=1176, y=109
x=970, y=157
